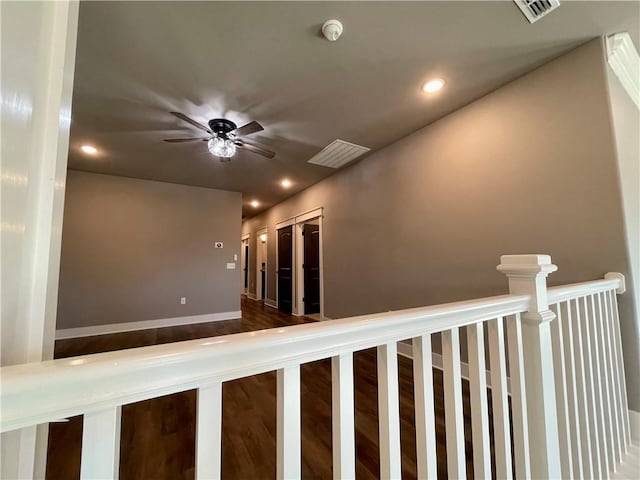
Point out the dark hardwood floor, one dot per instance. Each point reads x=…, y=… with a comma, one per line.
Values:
x=158, y=436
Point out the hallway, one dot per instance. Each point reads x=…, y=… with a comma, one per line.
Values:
x=158, y=436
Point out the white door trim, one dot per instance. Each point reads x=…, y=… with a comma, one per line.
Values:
x=309, y=215
x=285, y=223
x=297, y=249
x=298, y=271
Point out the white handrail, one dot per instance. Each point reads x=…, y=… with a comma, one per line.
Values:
x=41, y=392
x=576, y=290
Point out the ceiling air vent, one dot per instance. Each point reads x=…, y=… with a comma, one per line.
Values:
x=534, y=10
x=337, y=154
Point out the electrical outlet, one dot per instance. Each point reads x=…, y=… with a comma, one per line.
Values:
x=183, y=300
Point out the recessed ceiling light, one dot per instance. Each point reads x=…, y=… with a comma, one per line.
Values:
x=89, y=149
x=286, y=183
x=255, y=204
x=433, y=85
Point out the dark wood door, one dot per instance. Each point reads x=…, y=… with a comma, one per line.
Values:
x=246, y=266
x=311, y=268
x=285, y=269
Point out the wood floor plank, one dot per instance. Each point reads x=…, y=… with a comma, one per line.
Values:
x=158, y=436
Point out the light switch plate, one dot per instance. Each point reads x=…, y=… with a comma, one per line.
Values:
x=231, y=266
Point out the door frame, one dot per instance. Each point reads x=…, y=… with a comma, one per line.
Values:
x=244, y=259
x=298, y=257
x=259, y=260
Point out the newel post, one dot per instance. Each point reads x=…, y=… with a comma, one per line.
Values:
x=527, y=275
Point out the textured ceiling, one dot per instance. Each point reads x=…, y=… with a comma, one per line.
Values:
x=267, y=61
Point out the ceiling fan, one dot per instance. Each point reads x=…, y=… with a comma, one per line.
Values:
x=223, y=137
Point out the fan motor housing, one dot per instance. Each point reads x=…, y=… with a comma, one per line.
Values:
x=222, y=126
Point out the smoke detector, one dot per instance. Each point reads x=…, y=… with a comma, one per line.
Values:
x=534, y=10
x=332, y=29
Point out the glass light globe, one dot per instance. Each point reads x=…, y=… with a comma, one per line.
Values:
x=221, y=147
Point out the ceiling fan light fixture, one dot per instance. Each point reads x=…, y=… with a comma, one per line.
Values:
x=222, y=147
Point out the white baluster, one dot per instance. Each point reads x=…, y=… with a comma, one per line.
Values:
x=499, y=399
x=618, y=349
x=518, y=398
x=616, y=402
x=583, y=411
x=527, y=275
x=288, y=418
x=565, y=322
x=590, y=398
x=607, y=386
x=424, y=407
x=209, y=432
x=562, y=403
x=597, y=384
x=389, y=411
x=479, y=403
x=344, y=443
x=453, y=413
x=101, y=444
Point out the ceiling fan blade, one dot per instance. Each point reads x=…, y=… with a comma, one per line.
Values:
x=182, y=116
x=248, y=129
x=255, y=149
x=177, y=140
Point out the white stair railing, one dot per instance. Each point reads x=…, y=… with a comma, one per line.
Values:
x=551, y=365
x=589, y=377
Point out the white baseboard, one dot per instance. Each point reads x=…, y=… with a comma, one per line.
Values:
x=406, y=350
x=270, y=303
x=144, y=325
x=634, y=423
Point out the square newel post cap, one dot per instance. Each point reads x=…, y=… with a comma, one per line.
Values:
x=622, y=287
x=526, y=265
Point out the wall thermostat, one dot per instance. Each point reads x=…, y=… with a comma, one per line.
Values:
x=219, y=244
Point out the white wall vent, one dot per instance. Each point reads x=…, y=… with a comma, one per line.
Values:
x=534, y=10
x=337, y=154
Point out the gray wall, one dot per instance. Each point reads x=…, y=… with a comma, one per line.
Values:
x=131, y=248
x=529, y=168
x=626, y=123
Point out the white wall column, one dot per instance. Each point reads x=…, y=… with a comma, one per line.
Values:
x=527, y=276
x=38, y=61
